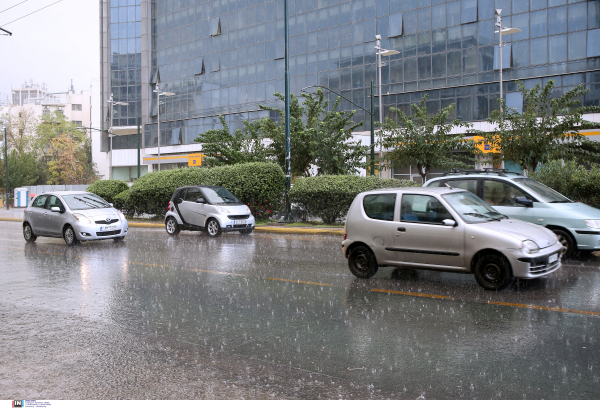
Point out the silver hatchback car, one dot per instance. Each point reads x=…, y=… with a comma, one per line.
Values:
x=212, y=209
x=73, y=215
x=446, y=229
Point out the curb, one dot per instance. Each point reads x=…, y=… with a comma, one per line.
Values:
x=271, y=230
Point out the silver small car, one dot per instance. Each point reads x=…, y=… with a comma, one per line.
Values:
x=446, y=229
x=211, y=209
x=73, y=215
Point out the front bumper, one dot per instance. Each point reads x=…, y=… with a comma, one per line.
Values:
x=531, y=266
x=91, y=232
x=587, y=239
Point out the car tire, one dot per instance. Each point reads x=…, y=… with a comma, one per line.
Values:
x=565, y=239
x=246, y=232
x=28, y=233
x=213, y=229
x=492, y=272
x=362, y=262
x=172, y=227
x=70, y=237
x=118, y=239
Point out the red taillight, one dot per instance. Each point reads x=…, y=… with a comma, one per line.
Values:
x=169, y=208
x=345, y=235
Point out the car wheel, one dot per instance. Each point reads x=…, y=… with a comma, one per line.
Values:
x=118, y=239
x=246, y=232
x=213, y=229
x=565, y=239
x=28, y=233
x=492, y=272
x=171, y=226
x=362, y=262
x=70, y=237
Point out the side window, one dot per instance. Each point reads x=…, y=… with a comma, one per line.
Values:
x=380, y=206
x=423, y=208
x=499, y=193
x=40, y=202
x=465, y=184
x=192, y=194
x=54, y=201
x=438, y=184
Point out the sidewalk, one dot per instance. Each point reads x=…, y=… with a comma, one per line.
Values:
x=16, y=214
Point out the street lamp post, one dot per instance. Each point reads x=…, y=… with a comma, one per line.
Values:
x=380, y=52
x=158, y=94
x=505, y=31
x=110, y=125
x=6, y=167
x=371, y=114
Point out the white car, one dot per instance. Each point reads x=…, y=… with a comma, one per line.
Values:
x=211, y=209
x=447, y=229
x=73, y=215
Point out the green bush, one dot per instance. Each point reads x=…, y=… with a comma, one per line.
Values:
x=330, y=197
x=571, y=180
x=259, y=185
x=108, y=189
x=122, y=202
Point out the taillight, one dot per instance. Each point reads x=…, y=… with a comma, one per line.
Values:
x=345, y=235
x=169, y=207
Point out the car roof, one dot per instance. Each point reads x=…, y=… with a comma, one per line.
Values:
x=435, y=190
x=469, y=175
x=200, y=185
x=63, y=193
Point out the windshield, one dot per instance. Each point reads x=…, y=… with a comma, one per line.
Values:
x=544, y=192
x=219, y=195
x=86, y=201
x=471, y=208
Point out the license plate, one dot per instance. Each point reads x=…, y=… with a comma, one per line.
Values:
x=552, y=258
x=237, y=222
x=108, y=228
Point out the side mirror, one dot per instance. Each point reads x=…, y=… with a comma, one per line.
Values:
x=201, y=201
x=179, y=200
x=449, y=223
x=524, y=201
x=55, y=209
x=111, y=204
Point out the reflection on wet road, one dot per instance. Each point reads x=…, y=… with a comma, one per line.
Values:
x=290, y=303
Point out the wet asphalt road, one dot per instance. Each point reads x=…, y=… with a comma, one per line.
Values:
x=272, y=316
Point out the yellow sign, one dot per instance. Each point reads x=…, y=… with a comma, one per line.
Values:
x=195, y=159
x=484, y=147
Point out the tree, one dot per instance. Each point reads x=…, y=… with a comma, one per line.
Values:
x=222, y=148
x=22, y=170
x=66, y=151
x=20, y=129
x=424, y=140
x=546, y=130
x=319, y=136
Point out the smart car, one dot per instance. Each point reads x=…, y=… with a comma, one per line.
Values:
x=211, y=209
x=75, y=216
x=446, y=229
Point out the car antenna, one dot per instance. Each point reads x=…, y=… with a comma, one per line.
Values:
x=447, y=185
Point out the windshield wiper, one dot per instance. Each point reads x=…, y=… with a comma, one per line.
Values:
x=501, y=216
x=86, y=203
x=474, y=214
x=96, y=201
x=560, y=201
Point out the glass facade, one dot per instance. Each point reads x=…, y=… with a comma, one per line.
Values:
x=125, y=61
x=226, y=56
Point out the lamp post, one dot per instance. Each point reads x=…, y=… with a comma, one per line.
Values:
x=371, y=113
x=158, y=94
x=110, y=125
x=6, y=167
x=505, y=31
x=380, y=52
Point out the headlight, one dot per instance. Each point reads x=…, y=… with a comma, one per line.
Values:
x=121, y=215
x=248, y=210
x=592, y=223
x=529, y=246
x=82, y=218
x=222, y=210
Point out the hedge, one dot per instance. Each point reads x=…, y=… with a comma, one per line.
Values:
x=108, y=189
x=571, y=180
x=122, y=202
x=330, y=197
x=259, y=185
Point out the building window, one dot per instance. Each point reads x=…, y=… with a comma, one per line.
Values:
x=395, y=25
x=78, y=122
x=469, y=11
x=76, y=107
x=215, y=26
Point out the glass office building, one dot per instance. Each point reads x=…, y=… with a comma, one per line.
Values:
x=225, y=57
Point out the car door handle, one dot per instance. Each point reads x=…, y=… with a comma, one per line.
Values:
x=401, y=229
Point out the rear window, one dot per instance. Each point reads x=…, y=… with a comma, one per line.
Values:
x=380, y=206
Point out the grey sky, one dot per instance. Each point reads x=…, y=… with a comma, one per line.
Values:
x=54, y=45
